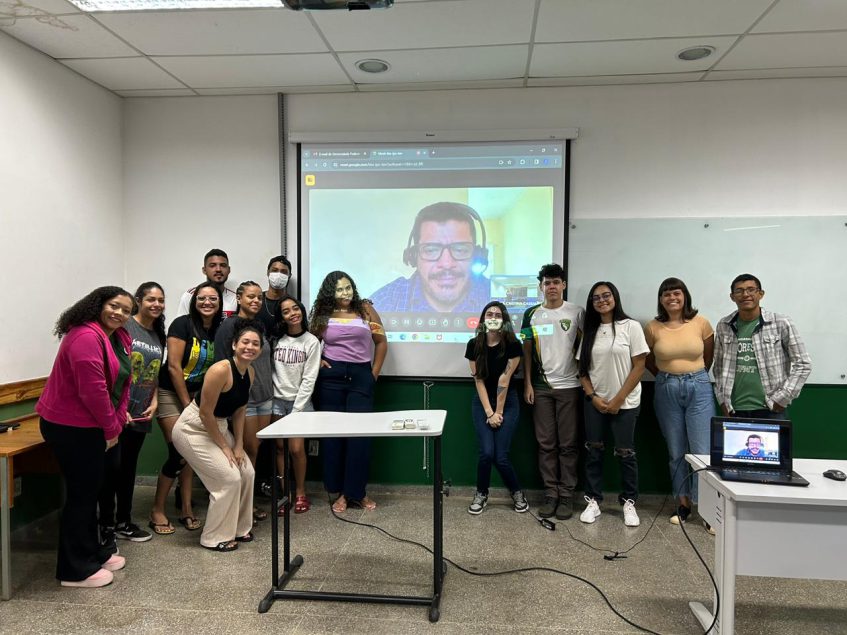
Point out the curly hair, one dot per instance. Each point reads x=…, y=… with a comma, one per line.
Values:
x=88, y=309
x=325, y=302
x=159, y=323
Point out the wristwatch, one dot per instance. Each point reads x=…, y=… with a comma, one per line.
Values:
x=589, y=397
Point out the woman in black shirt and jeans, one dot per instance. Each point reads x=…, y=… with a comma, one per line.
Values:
x=494, y=354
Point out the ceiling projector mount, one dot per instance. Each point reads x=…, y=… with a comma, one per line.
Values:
x=348, y=5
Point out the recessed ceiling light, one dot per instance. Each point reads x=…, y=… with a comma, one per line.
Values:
x=372, y=66
x=161, y=5
x=694, y=53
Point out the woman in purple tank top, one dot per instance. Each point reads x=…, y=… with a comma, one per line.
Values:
x=354, y=348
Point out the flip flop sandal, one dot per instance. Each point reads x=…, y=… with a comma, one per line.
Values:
x=366, y=503
x=259, y=514
x=229, y=545
x=191, y=523
x=162, y=529
x=301, y=505
x=340, y=505
x=248, y=537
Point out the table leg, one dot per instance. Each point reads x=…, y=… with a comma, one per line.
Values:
x=726, y=548
x=5, y=531
x=437, y=533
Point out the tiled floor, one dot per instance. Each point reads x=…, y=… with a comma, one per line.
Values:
x=171, y=585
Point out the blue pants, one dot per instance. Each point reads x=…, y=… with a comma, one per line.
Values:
x=684, y=407
x=494, y=443
x=346, y=387
x=623, y=431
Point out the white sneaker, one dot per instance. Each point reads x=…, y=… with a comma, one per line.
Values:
x=630, y=517
x=591, y=512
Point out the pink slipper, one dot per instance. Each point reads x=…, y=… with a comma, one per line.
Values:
x=115, y=563
x=101, y=577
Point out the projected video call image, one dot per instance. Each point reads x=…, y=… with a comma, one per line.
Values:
x=436, y=250
x=751, y=446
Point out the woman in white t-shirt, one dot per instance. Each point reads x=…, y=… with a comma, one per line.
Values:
x=611, y=362
x=296, y=360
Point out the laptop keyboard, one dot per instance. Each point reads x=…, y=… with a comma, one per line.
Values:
x=756, y=474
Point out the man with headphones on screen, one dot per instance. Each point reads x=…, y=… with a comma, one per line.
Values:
x=442, y=247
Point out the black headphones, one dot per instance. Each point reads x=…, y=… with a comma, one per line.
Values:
x=479, y=258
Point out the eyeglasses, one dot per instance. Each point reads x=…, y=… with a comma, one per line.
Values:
x=207, y=299
x=740, y=293
x=602, y=297
x=433, y=251
x=493, y=316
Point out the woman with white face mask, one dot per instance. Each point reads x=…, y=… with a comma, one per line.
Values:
x=494, y=355
x=279, y=275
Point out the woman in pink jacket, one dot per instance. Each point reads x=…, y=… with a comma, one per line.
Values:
x=83, y=409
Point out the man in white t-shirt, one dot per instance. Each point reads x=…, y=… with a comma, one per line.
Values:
x=216, y=270
x=551, y=332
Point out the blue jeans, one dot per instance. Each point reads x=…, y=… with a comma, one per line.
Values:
x=684, y=406
x=346, y=387
x=623, y=431
x=494, y=443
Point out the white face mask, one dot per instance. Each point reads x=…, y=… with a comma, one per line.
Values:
x=493, y=324
x=277, y=280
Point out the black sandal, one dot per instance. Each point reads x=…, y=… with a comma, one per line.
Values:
x=248, y=537
x=222, y=546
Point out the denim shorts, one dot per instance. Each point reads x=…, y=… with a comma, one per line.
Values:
x=261, y=409
x=283, y=407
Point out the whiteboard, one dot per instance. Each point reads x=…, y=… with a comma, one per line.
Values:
x=799, y=260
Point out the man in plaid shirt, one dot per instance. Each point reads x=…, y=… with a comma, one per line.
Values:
x=760, y=363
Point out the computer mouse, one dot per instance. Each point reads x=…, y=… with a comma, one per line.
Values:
x=835, y=475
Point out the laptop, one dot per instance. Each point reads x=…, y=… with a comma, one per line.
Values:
x=753, y=451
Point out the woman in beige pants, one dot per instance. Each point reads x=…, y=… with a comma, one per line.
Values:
x=215, y=455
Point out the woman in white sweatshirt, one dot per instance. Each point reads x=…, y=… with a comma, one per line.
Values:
x=296, y=360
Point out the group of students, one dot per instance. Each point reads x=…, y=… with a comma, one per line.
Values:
x=229, y=364
x=599, y=354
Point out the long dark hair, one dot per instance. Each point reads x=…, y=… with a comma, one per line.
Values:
x=197, y=319
x=672, y=284
x=507, y=333
x=325, y=302
x=280, y=325
x=87, y=309
x=592, y=323
x=159, y=323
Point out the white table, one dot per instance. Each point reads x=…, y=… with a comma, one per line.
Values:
x=772, y=530
x=317, y=425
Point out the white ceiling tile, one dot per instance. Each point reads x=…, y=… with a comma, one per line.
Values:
x=778, y=73
x=269, y=90
x=622, y=57
x=429, y=25
x=464, y=85
x=583, y=20
x=69, y=36
x=441, y=65
x=605, y=80
x=122, y=73
x=787, y=50
x=255, y=70
x=216, y=32
x=158, y=92
x=803, y=15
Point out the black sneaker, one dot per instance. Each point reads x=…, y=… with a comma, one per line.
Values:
x=548, y=508
x=681, y=515
x=107, y=539
x=132, y=532
x=564, y=510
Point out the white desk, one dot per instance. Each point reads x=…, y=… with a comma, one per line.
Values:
x=772, y=530
x=315, y=425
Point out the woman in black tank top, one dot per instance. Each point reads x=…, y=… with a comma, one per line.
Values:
x=216, y=455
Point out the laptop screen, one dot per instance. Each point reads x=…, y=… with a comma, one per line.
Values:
x=740, y=442
x=747, y=443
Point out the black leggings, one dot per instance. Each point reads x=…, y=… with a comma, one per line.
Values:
x=119, y=479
